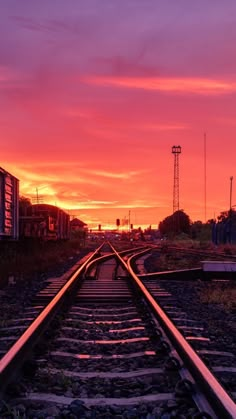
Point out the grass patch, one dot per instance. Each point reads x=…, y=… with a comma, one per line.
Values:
x=220, y=293
x=22, y=259
x=165, y=260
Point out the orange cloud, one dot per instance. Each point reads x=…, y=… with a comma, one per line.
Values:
x=163, y=84
x=120, y=175
x=71, y=186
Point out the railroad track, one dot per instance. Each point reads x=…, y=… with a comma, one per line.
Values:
x=203, y=253
x=104, y=349
x=199, y=327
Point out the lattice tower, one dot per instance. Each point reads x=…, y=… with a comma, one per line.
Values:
x=176, y=150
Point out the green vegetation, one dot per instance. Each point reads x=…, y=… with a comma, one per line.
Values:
x=22, y=259
x=174, y=224
x=167, y=260
x=178, y=226
x=168, y=257
x=223, y=293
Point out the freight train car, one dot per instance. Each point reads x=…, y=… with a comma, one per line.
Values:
x=9, y=206
x=45, y=222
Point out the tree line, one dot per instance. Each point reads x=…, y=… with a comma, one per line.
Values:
x=179, y=223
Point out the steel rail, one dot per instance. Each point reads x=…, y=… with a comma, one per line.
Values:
x=217, y=396
x=196, y=251
x=183, y=274
x=12, y=361
x=110, y=255
x=96, y=261
x=17, y=354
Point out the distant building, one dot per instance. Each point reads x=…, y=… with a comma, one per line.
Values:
x=78, y=225
x=78, y=230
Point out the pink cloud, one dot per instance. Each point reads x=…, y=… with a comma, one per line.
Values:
x=167, y=85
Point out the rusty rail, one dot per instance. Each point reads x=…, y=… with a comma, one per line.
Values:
x=218, y=398
x=17, y=354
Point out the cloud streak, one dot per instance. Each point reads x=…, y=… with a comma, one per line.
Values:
x=196, y=86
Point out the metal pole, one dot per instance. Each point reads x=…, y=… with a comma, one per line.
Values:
x=230, y=202
x=205, y=176
x=230, y=210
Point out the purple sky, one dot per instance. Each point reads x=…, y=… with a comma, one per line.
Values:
x=93, y=94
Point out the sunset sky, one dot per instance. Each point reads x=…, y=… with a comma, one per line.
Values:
x=94, y=94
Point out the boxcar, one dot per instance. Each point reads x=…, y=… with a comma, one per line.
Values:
x=45, y=222
x=9, y=206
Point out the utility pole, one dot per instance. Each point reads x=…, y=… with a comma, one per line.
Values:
x=230, y=209
x=205, y=176
x=230, y=195
x=176, y=150
x=38, y=199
